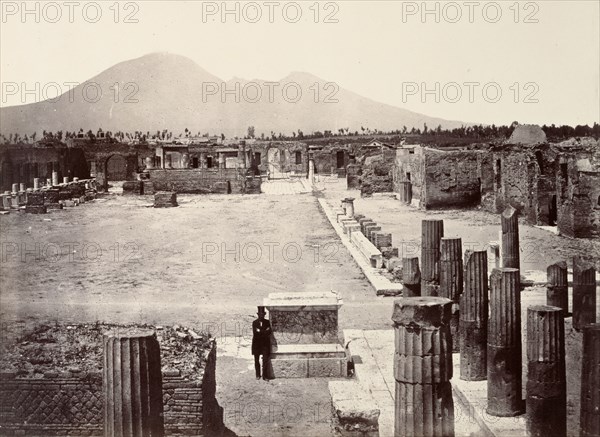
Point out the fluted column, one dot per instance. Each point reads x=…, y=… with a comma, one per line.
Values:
x=432, y=232
x=584, y=293
x=423, y=367
x=557, y=290
x=474, y=317
x=451, y=280
x=132, y=383
x=510, y=238
x=504, y=373
x=411, y=277
x=546, y=403
x=590, y=381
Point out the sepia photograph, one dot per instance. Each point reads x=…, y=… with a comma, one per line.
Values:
x=311, y=218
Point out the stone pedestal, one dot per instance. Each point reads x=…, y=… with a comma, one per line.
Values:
x=165, y=199
x=546, y=403
x=349, y=207
x=411, y=277
x=584, y=293
x=423, y=367
x=510, y=238
x=557, y=290
x=432, y=232
x=305, y=340
x=474, y=318
x=504, y=374
x=590, y=381
x=132, y=384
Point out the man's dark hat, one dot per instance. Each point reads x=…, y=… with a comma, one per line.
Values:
x=261, y=309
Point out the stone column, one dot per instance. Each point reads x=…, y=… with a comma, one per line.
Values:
x=65, y=179
x=431, y=233
x=504, y=373
x=22, y=187
x=349, y=207
x=343, y=205
x=510, y=238
x=311, y=170
x=584, y=293
x=423, y=367
x=405, y=192
x=36, y=183
x=590, y=382
x=55, y=178
x=75, y=179
x=557, y=290
x=474, y=317
x=546, y=403
x=15, y=188
x=411, y=277
x=132, y=384
x=451, y=280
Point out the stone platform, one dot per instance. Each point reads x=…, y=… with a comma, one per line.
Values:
x=305, y=341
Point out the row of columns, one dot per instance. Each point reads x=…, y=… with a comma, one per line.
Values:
x=489, y=334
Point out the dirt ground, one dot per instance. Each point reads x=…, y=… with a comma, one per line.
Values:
x=206, y=265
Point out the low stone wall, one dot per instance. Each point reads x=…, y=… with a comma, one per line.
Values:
x=205, y=181
x=70, y=403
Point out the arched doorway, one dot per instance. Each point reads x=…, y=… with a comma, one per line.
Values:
x=116, y=168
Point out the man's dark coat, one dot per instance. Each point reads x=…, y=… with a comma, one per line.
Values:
x=261, y=337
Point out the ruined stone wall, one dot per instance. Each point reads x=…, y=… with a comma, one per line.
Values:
x=511, y=180
x=59, y=404
x=485, y=171
x=450, y=179
x=409, y=162
x=377, y=175
x=204, y=181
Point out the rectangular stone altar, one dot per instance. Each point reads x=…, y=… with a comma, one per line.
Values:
x=305, y=339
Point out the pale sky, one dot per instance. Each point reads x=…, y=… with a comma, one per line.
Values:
x=374, y=49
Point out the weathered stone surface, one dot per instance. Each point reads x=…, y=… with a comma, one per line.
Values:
x=474, y=317
x=404, y=189
x=36, y=209
x=132, y=382
x=133, y=187
x=590, y=381
x=411, y=277
x=510, y=238
x=353, y=408
x=423, y=367
x=584, y=293
x=557, y=290
x=504, y=354
x=546, y=402
x=431, y=233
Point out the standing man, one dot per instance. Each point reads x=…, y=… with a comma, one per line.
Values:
x=261, y=342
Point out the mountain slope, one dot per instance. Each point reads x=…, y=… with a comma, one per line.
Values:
x=165, y=91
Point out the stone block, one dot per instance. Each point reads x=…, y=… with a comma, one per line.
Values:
x=391, y=263
x=51, y=196
x=327, y=367
x=36, y=209
x=133, y=187
x=381, y=239
x=56, y=205
x=35, y=198
x=165, y=199
x=289, y=368
x=148, y=187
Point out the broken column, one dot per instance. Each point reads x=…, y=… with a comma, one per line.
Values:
x=557, y=290
x=405, y=192
x=451, y=279
x=510, y=238
x=54, y=178
x=590, y=382
x=411, y=277
x=584, y=293
x=504, y=353
x=546, y=403
x=349, y=207
x=311, y=170
x=132, y=384
x=15, y=188
x=36, y=183
x=22, y=187
x=423, y=367
x=65, y=179
x=474, y=318
x=431, y=233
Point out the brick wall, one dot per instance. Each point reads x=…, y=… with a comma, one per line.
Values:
x=72, y=404
x=204, y=181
